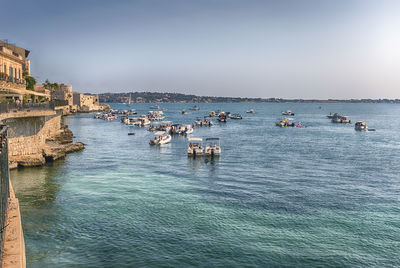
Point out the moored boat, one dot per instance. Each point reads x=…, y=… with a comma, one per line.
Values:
x=213, y=147
x=195, y=108
x=251, y=111
x=285, y=122
x=288, y=112
x=361, y=126
x=195, y=148
x=160, y=137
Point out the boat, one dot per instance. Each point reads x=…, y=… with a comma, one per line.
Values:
x=251, y=111
x=337, y=118
x=361, y=126
x=131, y=133
x=285, y=122
x=211, y=113
x=181, y=129
x=288, y=112
x=184, y=111
x=154, y=107
x=195, y=108
x=194, y=148
x=222, y=118
x=213, y=147
x=236, y=116
x=203, y=122
x=160, y=137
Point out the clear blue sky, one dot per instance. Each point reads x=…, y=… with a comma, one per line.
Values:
x=290, y=49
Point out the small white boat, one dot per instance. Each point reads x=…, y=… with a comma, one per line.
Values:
x=195, y=148
x=160, y=137
x=288, y=112
x=154, y=107
x=184, y=111
x=251, y=111
x=213, y=147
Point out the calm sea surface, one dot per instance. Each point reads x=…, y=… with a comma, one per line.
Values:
x=324, y=195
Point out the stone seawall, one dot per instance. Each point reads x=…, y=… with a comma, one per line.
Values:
x=35, y=140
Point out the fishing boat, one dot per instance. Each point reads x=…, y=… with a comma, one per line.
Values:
x=285, y=122
x=195, y=148
x=251, y=111
x=236, y=116
x=195, y=108
x=160, y=137
x=213, y=147
x=361, y=126
x=288, y=112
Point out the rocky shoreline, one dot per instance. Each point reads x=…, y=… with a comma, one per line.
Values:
x=56, y=147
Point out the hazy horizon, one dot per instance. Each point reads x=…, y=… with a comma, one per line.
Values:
x=285, y=49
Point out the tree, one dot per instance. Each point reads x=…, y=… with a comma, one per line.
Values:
x=30, y=82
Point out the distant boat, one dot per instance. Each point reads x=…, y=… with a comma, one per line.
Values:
x=195, y=108
x=155, y=107
x=288, y=112
x=251, y=111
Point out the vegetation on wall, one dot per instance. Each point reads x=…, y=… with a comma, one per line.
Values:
x=30, y=82
x=51, y=86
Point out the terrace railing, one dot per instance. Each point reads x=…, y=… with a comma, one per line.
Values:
x=14, y=107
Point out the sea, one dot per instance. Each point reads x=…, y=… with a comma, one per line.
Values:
x=323, y=195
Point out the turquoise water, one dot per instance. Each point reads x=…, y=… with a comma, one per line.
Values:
x=324, y=195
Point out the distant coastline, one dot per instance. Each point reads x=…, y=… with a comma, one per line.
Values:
x=149, y=97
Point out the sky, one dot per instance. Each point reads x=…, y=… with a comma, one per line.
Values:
x=245, y=48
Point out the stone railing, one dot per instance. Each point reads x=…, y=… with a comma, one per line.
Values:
x=14, y=107
x=4, y=182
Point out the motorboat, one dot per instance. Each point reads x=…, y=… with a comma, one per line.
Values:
x=288, y=112
x=195, y=108
x=251, y=111
x=236, y=116
x=337, y=118
x=195, y=148
x=213, y=147
x=160, y=137
x=203, y=122
x=285, y=122
x=212, y=113
x=361, y=126
x=181, y=129
x=222, y=118
x=184, y=111
x=155, y=115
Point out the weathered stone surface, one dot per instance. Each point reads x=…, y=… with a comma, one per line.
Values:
x=32, y=160
x=51, y=142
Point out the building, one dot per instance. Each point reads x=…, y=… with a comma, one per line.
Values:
x=86, y=103
x=64, y=92
x=42, y=89
x=14, y=66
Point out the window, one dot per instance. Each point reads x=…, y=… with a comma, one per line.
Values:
x=5, y=68
x=11, y=72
